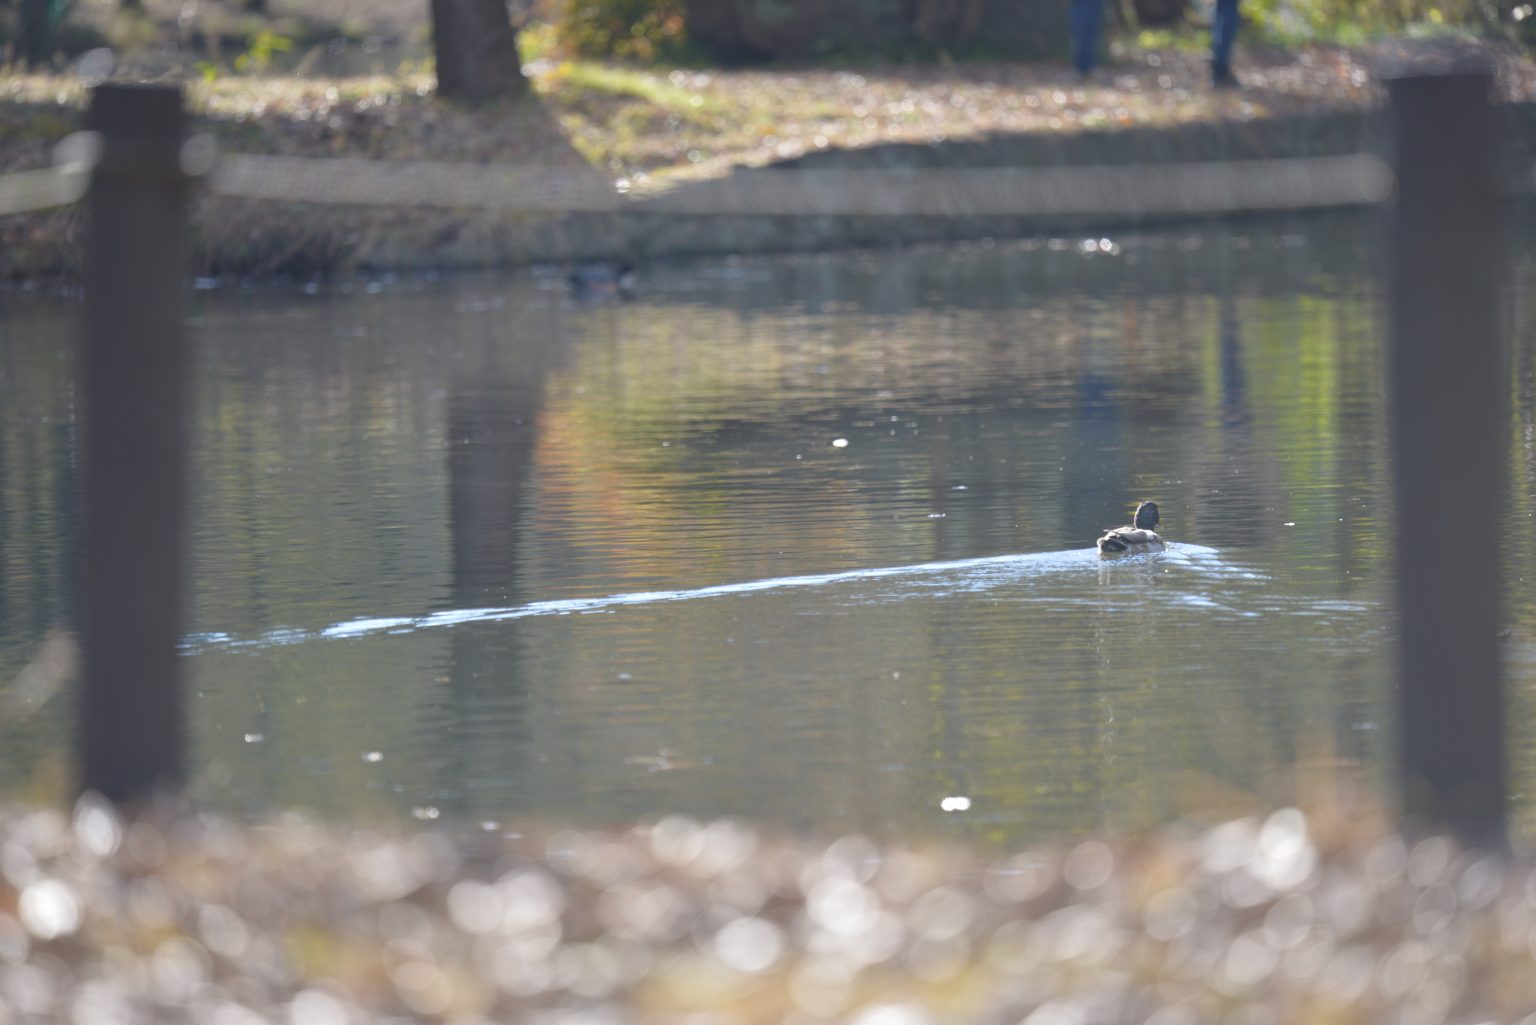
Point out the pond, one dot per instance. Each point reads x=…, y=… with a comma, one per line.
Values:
x=805, y=539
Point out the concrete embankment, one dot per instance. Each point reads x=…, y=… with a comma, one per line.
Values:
x=1002, y=185
x=971, y=189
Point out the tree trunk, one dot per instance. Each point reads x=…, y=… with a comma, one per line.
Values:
x=476, y=50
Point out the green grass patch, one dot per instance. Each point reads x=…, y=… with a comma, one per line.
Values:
x=1184, y=37
x=1356, y=22
x=619, y=81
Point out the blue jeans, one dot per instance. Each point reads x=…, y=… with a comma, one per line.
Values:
x=1223, y=32
x=1086, y=16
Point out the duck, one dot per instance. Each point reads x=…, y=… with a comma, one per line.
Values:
x=1138, y=535
x=590, y=280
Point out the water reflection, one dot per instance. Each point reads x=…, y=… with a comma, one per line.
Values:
x=493, y=409
x=470, y=548
x=37, y=510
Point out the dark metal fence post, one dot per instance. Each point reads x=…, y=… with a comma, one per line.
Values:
x=36, y=33
x=134, y=447
x=1446, y=374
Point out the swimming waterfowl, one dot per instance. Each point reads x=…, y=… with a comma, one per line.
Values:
x=590, y=280
x=1138, y=535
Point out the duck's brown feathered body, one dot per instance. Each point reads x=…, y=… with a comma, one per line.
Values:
x=1138, y=535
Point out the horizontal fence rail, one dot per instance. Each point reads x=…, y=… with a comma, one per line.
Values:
x=1185, y=188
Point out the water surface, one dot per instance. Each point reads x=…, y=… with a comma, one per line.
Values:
x=805, y=538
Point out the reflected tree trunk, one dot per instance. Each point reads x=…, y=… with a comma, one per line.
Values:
x=492, y=432
x=1096, y=467
x=493, y=417
x=1247, y=514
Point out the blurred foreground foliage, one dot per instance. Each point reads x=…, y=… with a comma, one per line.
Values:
x=182, y=916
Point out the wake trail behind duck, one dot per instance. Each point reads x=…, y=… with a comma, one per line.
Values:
x=929, y=578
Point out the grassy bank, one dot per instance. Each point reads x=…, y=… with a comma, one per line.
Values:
x=621, y=122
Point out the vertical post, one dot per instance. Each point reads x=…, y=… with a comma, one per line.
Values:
x=1446, y=374
x=130, y=728
x=36, y=33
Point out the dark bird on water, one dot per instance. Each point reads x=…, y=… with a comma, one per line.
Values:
x=1138, y=535
x=590, y=280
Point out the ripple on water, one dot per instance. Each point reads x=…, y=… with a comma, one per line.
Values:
x=879, y=585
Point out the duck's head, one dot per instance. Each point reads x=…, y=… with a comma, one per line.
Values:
x=1146, y=516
